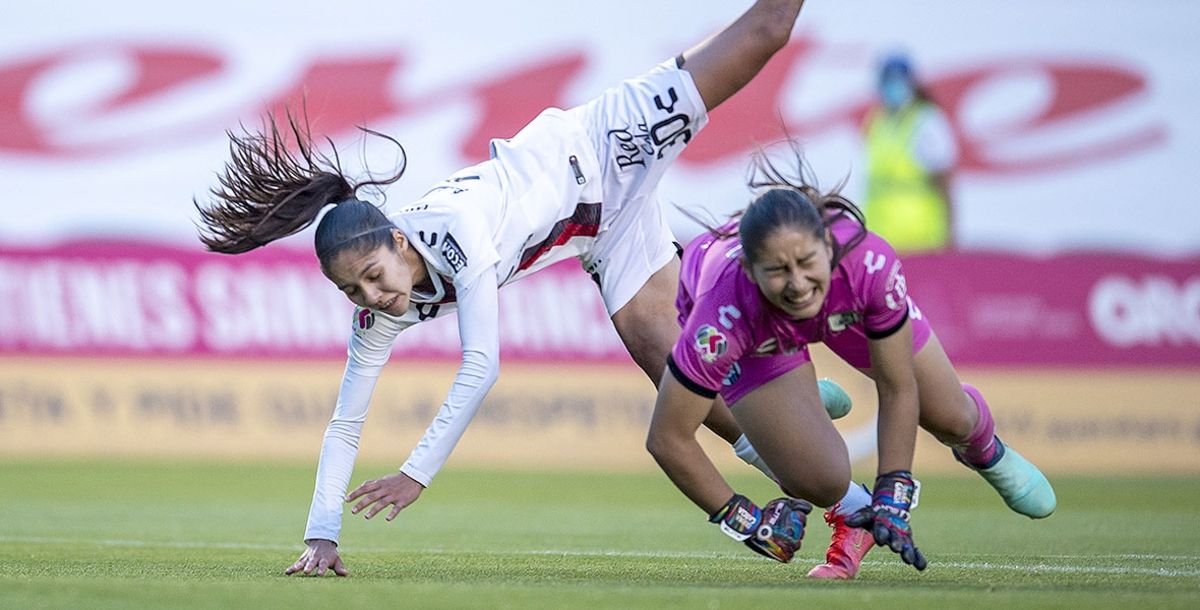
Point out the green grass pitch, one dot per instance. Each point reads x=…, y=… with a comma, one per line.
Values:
x=119, y=534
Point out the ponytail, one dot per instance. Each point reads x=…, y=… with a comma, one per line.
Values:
x=269, y=191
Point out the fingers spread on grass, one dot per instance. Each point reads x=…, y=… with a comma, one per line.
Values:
x=339, y=568
x=295, y=567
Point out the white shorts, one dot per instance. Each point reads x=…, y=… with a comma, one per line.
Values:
x=638, y=128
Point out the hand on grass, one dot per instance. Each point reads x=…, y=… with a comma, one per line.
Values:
x=320, y=556
x=395, y=490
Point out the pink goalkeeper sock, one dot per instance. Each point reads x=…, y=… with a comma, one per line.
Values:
x=979, y=448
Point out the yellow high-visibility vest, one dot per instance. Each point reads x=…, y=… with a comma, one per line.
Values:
x=902, y=204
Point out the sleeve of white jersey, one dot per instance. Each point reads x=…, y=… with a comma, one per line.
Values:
x=466, y=249
x=368, y=350
x=478, y=324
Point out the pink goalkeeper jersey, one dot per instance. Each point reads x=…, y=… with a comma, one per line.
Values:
x=734, y=341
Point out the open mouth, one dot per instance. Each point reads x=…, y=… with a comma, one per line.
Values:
x=798, y=302
x=388, y=304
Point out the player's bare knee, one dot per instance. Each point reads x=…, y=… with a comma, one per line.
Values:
x=823, y=492
x=822, y=487
x=830, y=491
x=658, y=445
x=947, y=427
x=648, y=349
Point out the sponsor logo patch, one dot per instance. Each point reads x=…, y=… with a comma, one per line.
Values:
x=767, y=346
x=842, y=320
x=710, y=343
x=364, y=319
x=453, y=253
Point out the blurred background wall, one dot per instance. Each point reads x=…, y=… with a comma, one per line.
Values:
x=1071, y=295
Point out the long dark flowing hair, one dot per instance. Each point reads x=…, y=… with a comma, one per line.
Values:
x=277, y=182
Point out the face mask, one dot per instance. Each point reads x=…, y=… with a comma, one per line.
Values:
x=895, y=92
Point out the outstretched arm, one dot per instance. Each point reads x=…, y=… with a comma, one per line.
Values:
x=725, y=62
x=896, y=491
x=678, y=413
x=368, y=352
x=893, y=371
x=774, y=530
x=478, y=329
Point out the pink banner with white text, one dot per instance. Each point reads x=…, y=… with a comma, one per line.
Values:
x=132, y=299
x=1071, y=309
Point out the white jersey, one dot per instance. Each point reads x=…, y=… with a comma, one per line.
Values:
x=536, y=202
x=578, y=183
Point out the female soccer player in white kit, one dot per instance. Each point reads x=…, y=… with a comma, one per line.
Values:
x=573, y=183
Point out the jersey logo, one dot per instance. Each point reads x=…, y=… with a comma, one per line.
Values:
x=364, y=319
x=674, y=97
x=426, y=311
x=735, y=372
x=914, y=312
x=843, y=319
x=453, y=253
x=897, y=288
x=710, y=343
x=430, y=240
x=631, y=145
x=874, y=262
x=725, y=313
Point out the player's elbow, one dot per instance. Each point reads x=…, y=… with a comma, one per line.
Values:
x=482, y=366
x=490, y=367
x=772, y=26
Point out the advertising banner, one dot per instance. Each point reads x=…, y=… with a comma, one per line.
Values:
x=125, y=299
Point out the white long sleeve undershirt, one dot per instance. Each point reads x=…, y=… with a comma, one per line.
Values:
x=478, y=327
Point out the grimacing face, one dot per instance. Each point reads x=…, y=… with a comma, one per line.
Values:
x=792, y=271
x=379, y=279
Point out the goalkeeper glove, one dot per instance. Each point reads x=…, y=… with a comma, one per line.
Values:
x=774, y=531
x=896, y=493
x=739, y=518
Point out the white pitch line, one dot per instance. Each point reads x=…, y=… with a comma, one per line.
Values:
x=966, y=565
x=1058, y=569
x=152, y=544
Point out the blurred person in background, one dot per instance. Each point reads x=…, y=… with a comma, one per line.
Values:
x=578, y=183
x=911, y=154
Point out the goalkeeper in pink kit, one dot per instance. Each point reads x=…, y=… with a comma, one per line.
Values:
x=800, y=267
